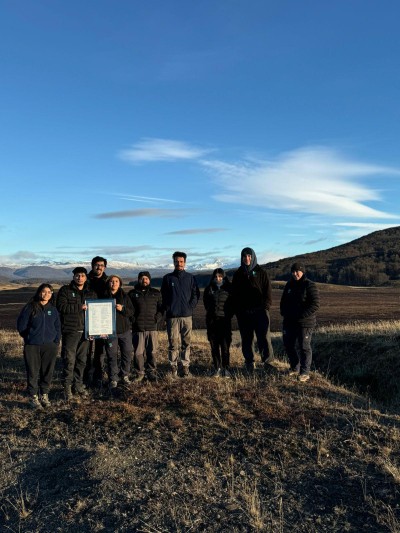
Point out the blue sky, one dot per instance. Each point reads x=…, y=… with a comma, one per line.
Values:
x=131, y=129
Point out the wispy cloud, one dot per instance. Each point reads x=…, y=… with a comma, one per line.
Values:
x=149, y=212
x=145, y=199
x=309, y=180
x=195, y=231
x=149, y=149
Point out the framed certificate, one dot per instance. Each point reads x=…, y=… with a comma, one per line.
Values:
x=100, y=319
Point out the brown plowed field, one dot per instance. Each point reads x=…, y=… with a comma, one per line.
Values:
x=339, y=304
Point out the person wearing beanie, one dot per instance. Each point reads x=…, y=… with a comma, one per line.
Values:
x=180, y=295
x=147, y=314
x=217, y=301
x=299, y=305
x=71, y=305
x=252, y=298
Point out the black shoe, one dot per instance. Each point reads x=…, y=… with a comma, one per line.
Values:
x=186, y=372
x=152, y=377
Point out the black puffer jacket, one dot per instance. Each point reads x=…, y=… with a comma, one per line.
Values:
x=124, y=317
x=69, y=304
x=300, y=302
x=218, y=300
x=147, y=308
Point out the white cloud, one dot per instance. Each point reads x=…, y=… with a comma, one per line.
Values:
x=310, y=180
x=149, y=149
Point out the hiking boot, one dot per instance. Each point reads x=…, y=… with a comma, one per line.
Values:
x=126, y=380
x=226, y=373
x=304, y=377
x=44, y=400
x=216, y=373
x=68, y=393
x=174, y=372
x=152, y=377
x=250, y=368
x=113, y=384
x=186, y=372
x=82, y=392
x=35, y=403
x=138, y=378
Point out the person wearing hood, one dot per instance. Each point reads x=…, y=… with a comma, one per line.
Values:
x=71, y=304
x=252, y=298
x=147, y=307
x=180, y=295
x=217, y=301
x=123, y=339
x=299, y=305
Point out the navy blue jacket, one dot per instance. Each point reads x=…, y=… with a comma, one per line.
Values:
x=43, y=327
x=180, y=294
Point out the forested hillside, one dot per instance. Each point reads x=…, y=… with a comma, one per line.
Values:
x=370, y=260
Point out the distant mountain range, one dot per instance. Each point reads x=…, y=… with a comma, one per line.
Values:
x=370, y=260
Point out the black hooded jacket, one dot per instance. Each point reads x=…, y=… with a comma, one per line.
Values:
x=251, y=287
x=147, y=308
x=218, y=300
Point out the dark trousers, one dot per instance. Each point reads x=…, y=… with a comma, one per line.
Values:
x=124, y=342
x=145, y=345
x=255, y=322
x=300, y=358
x=39, y=362
x=74, y=354
x=219, y=334
x=95, y=362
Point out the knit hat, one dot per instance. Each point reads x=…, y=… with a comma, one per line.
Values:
x=298, y=266
x=79, y=270
x=144, y=273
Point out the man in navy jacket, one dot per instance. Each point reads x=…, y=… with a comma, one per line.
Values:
x=180, y=294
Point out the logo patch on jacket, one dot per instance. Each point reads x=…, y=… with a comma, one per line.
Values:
x=49, y=312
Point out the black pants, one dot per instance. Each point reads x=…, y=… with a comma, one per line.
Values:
x=300, y=358
x=219, y=334
x=40, y=361
x=255, y=322
x=124, y=341
x=74, y=354
x=95, y=363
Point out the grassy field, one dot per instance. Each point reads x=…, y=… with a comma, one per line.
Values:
x=264, y=453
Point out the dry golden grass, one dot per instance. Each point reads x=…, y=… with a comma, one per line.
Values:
x=264, y=453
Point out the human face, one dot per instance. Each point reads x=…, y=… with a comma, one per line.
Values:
x=297, y=274
x=218, y=278
x=45, y=295
x=114, y=284
x=144, y=281
x=246, y=258
x=80, y=279
x=98, y=269
x=179, y=263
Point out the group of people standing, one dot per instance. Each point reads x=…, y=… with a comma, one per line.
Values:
x=46, y=320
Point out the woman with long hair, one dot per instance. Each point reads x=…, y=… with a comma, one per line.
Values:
x=39, y=325
x=124, y=314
